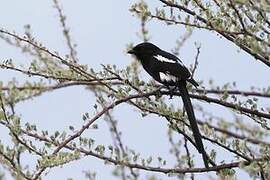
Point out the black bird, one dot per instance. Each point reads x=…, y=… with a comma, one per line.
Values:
x=169, y=70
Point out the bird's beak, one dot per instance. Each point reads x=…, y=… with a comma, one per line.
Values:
x=131, y=51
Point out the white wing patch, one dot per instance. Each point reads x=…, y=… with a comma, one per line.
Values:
x=167, y=77
x=163, y=59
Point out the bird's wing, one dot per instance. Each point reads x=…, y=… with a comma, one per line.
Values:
x=171, y=57
x=171, y=65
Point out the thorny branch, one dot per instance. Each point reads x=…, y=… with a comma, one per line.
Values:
x=230, y=36
x=149, y=168
x=62, y=17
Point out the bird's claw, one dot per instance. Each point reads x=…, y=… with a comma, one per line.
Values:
x=171, y=91
x=171, y=94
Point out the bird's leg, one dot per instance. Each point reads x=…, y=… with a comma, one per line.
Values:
x=171, y=91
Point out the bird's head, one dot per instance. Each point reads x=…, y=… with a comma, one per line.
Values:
x=144, y=49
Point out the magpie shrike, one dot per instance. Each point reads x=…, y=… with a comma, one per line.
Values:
x=169, y=70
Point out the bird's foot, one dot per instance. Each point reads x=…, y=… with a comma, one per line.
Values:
x=171, y=91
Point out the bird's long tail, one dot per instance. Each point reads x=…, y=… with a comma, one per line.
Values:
x=192, y=120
